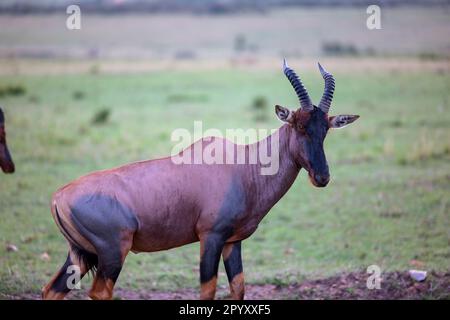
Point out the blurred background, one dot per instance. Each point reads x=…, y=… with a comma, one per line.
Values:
x=76, y=101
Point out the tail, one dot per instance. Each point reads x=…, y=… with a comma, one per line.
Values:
x=89, y=259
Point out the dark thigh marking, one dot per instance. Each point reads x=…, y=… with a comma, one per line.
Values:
x=102, y=220
x=233, y=263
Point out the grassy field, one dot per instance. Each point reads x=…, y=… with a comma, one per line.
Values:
x=387, y=204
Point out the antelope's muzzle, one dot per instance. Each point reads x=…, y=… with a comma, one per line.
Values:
x=319, y=180
x=6, y=162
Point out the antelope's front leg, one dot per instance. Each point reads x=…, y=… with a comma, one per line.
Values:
x=211, y=247
x=232, y=260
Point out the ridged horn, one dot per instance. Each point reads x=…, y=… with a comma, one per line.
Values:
x=302, y=94
x=328, y=91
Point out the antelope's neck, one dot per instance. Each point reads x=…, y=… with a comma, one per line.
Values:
x=266, y=190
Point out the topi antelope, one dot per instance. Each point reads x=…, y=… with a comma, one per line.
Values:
x=6, y=162
x=158, y=205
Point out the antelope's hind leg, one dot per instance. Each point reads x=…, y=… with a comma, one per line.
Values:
x=232, y=260
x=110, y=262
x=109, y=226
x=61, y=283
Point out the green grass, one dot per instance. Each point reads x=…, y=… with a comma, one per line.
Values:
x=388, y=202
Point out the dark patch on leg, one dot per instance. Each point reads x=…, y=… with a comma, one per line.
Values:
x=109, y=268
x=57, y=287
x=209, y=263
x=60, y=283
x=110, y=264
x=102, y=220
x=233, y=206
x=233, y=267
x=233, y=263
x=87, y=260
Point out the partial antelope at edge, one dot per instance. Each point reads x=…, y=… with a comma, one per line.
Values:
x=6, y=162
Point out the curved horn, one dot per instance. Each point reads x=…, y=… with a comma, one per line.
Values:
x=328, y=92
x=305, y=101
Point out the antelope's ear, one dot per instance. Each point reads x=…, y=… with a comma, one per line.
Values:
x=341, y=120
x=284, y=114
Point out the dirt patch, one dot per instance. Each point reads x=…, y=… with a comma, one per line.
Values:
x=394, y=285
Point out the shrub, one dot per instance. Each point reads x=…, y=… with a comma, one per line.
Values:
x=101, y=116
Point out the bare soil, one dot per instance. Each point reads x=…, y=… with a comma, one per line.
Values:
x=394, y=285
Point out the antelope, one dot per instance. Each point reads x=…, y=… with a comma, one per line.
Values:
x=157, y=205
x=6, y=162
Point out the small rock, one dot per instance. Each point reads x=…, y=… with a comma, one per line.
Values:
x=45, y=256
x=11, y=248
x=418, y=275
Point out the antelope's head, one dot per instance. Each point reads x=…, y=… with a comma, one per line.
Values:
x=6, y=162
x=310, y=125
